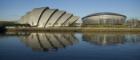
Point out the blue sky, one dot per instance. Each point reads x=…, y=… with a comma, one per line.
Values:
x=14, y=9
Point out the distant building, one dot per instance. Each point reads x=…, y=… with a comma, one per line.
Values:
x=133, y=23
x=45, y=17
x=104, y=18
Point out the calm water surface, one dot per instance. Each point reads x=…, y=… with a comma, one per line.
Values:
x=69, y=46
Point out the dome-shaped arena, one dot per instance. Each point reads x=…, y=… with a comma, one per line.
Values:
x=104, y=18
x=46, y=17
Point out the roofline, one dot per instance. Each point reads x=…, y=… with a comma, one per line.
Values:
x=104, y=13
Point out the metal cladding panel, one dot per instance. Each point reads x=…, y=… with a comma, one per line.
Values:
x=26, y=18
x=45, y=17
x=71, y=20
x=104, y=19
x=54, y=18
x=22, y=20
x=35, y=15
x=105, y=13
x=63, y=19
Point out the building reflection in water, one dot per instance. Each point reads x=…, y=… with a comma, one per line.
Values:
x=49, y=42
x=133, y=38
x=110, y=38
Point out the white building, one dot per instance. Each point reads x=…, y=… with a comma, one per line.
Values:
x=44, y=17
x=104, y=18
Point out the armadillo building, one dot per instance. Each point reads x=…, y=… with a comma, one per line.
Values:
x=45, y=17
x=104, y=18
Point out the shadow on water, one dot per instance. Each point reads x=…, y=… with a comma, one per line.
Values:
x=2, y=29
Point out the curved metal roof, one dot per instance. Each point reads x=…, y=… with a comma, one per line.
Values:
x=46, y=17
x=104, y=13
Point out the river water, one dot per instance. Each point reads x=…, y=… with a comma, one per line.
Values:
x=69, y=46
